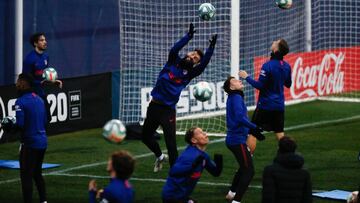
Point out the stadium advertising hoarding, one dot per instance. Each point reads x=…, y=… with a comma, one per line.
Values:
x=187, y=103
x=320, y=73
x=83, y=103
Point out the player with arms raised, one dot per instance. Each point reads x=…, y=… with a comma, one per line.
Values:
x=172, y=79
x=274, y=75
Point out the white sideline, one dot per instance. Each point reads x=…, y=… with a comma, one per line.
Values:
x=182, y=147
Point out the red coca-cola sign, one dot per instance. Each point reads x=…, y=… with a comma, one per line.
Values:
x=320, y=73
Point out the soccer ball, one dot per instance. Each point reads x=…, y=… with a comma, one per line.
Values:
x=284, y=4
x=50, y=74
x=114, y=131
x=202, y=91
x=206, y=11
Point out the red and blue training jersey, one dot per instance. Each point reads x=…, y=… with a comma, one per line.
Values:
x=31, y=117
x=118, y=191
x=34, y=64
x=274, y=75
x=173, y=79
x=237, y=121
x=185, y=173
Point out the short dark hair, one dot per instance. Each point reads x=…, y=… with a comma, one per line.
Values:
x=189, y=134
x=35, y=38
x=283, y=47
x=287, y=145
x=27, y=78
x=200, y=52
x=226, y=85
x=123, y=163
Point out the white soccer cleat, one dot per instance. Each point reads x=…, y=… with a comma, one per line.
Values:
x=230, y=196
x=159, y=163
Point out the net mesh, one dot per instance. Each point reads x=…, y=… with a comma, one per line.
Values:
x=148, y=29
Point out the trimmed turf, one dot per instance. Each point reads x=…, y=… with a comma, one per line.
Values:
x=330, y=153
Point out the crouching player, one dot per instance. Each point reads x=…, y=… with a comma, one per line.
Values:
x=120, y=167
x=186, y=171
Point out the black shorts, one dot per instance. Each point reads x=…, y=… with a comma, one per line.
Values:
x=269, y=120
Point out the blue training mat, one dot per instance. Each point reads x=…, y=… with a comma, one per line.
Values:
x=13, y=164
x=334, y=194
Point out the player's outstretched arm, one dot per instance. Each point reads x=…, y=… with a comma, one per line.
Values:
x=181, y=169
x=259, y=84
x=215, y=167
x=197, y=70
x=174, y=51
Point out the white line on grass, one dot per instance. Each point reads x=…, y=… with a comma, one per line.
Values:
x=104, y=162
x=143, y=179
x=314, y=124
x=99, y=163
x=161, y=180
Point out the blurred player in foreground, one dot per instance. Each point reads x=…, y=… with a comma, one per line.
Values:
x=285, y=180
x=186, y=171
x=172, y=79
x=120, y=166
x=270, y=108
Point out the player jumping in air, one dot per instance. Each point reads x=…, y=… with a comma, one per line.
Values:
x=172, y=79
x=274, y=75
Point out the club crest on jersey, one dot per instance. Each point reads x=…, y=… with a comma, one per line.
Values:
x=185, y=72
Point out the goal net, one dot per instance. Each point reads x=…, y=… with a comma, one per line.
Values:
x=323, y=40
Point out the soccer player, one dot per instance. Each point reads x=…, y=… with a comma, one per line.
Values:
x=120, y=166
x=285, y=180
x=172, y=79
x=186, y=171
x=35, y=62
x=31, y=120
x=274, y=75
x=238, y=128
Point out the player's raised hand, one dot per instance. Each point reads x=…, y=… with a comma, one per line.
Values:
x=213, y=41
x=92, y=185
x=243, y=74
x=191, y=30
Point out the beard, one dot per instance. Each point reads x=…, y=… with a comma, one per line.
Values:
x=186, y=64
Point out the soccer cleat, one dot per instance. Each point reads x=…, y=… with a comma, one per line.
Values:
x=159, y=163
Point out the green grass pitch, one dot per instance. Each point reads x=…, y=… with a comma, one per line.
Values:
x=329, y=144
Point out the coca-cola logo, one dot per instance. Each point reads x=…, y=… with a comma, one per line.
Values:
x=318, y=79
